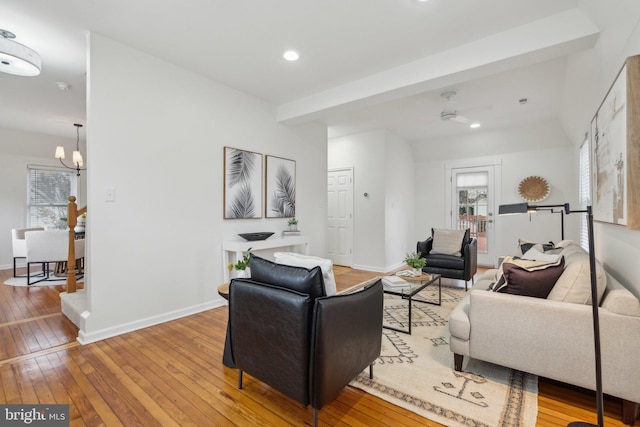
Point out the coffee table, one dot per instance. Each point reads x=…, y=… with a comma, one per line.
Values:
x=410, y=290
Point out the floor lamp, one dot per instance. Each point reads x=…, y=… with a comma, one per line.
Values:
x=518, y=208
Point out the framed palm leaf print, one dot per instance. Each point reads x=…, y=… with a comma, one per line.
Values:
x=280, y=188
x=242, y=184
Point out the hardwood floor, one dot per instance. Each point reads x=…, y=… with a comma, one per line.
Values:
x=172, y=374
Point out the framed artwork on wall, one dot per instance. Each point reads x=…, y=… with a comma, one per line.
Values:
x=615, y=150
x=242, y=184
x=280, y=187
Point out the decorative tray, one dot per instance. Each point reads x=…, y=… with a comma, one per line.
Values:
x=256, y=236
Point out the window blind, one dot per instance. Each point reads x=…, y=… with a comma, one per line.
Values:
x=584, y=189
x=48, y=194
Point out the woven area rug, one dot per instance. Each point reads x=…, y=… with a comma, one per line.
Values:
x=416, y=371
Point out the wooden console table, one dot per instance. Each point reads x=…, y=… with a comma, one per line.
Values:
x=239, y=246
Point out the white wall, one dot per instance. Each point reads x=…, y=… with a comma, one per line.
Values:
x=589, y=76
x=17, y=150
x=156, y=134
x=400, y=191
x=539, y=149
x=384, y=221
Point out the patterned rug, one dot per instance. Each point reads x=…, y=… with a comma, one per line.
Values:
x=416, y=371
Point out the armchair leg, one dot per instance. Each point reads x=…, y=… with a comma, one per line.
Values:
x=315, y=417
x=371, y=371
x=239, y=379
x=465, y=285
x=629, y=412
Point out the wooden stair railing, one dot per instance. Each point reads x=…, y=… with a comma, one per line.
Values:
x=72, y=220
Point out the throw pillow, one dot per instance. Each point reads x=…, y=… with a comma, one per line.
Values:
x=535, y=255
x=533, y=280
x=300, y=279
x=447, y=242
x=299, y=260
x=524, y=245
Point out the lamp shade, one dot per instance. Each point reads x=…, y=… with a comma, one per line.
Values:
x=59, y=152
x=515, y=208
x=77, y=158
x=18, y=59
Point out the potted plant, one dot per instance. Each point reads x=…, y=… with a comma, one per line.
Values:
x=416, y=262
x=293, y=224
x=242, y=265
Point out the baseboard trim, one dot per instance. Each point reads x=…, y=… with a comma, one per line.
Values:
x=377, y=269
x=88, y=338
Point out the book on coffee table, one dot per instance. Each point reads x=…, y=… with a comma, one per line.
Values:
x=394, y=281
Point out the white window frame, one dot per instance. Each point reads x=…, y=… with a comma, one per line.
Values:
x=60, y=203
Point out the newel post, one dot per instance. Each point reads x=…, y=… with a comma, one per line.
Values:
x=72, y=221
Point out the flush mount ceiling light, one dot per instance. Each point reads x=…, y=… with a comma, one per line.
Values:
x=291, y=55
x=78, y=162
x=16, y=58
x=474, y=125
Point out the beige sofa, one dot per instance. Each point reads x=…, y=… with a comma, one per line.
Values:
x=553, y=337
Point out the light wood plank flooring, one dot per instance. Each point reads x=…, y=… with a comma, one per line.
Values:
x=171, y=374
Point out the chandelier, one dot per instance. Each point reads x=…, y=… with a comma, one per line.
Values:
x=78, y=162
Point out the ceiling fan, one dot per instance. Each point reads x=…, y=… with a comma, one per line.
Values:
x=449, y=114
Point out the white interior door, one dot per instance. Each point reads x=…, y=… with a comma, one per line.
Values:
x=340, y=216
x=472, y=207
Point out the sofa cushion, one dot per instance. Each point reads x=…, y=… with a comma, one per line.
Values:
x=524, y=245
x=299, y=260
x=300, y=279
x=451, y=262
x=447, y=242
x=575, y=283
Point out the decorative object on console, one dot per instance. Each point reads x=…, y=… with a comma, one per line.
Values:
x=77, y=159
x=280, y=188
x=242, y=265
x=16, y=58
x=293, y=224
x=534, y=189
x=615, y=150
x=242, y=184
x=524, y=208
x=262, y=235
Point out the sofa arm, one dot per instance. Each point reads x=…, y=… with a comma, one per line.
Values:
x=347, y=337
x=270, y=335
x=424, y=248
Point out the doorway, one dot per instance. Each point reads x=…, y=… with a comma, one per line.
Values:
x=472, y=205
x=340, y=216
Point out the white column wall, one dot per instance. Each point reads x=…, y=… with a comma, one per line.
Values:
x=156, y=134
x=401, y=190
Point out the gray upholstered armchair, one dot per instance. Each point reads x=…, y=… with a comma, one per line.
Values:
x=463, y=264
x=301, y=343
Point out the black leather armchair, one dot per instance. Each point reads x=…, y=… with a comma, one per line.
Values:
x=308, y=347
x=462, y=267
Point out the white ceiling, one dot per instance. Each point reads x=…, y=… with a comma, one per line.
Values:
x=343, y=44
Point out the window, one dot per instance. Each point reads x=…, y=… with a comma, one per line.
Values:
x=48, y=196
x=584, y=191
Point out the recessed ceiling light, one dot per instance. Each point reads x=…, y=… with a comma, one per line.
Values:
x=474, y=125
x=291, y=55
